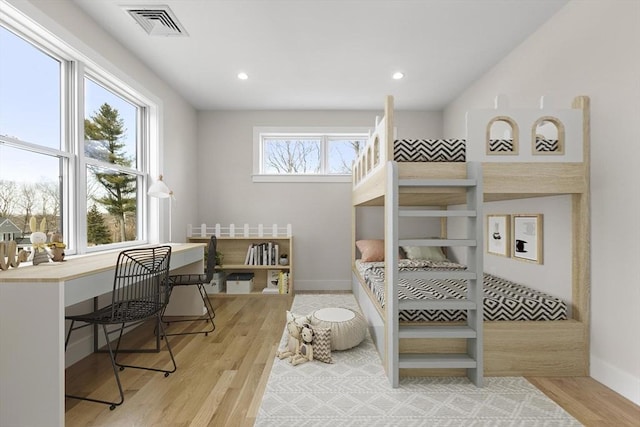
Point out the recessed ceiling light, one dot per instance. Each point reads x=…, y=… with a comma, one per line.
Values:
x=243, y=76
x=398, y=75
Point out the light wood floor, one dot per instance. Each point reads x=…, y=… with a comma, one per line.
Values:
x=221, y=378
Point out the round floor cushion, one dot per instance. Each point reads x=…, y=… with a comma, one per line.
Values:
x=348, y=328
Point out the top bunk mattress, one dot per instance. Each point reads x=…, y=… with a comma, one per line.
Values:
x=454, y=150
x=503, y=299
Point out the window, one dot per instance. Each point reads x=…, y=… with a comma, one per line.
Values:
x=303, y=155
x=74, y=145
x=32, y=159
x=110, y=150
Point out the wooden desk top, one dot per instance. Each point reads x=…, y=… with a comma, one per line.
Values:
x=77, y=266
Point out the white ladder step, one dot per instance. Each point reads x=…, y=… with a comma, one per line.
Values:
x=433, y=304
x=437, y=182
x=429, y=213
x=451, y=274
x=436, y=361
x=449, y=331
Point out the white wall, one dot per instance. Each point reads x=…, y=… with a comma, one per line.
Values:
x=320, y=212
x=591, y=48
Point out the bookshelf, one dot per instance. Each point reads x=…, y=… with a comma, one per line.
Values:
x=234, y=244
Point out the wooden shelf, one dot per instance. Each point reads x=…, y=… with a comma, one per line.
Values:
x=234, y=252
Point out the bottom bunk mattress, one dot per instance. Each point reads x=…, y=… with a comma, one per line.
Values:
x=503, y=299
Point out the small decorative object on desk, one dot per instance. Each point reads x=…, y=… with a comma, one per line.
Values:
x=40, y=252
x=284, y=259
x=9, y=256
x=57, y=247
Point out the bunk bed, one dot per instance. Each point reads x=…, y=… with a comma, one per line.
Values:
x=451, y=179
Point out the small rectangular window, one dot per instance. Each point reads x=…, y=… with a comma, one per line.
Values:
x=342, y=152
x=299, y=155
x=294, y=155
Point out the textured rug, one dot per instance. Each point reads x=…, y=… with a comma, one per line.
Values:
x=354, y=391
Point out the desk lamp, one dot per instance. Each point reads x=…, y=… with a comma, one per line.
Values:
x=159, y=190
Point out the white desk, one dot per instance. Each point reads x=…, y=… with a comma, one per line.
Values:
x=32, y=328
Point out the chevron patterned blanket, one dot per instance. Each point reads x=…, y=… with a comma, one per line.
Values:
x=503, y=299
x=454, y=150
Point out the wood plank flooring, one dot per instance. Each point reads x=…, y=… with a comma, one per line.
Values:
x=221, y=378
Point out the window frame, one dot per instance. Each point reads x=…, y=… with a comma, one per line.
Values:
x=322, y=133
x=75, y=66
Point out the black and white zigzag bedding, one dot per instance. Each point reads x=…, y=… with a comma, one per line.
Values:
x=429, y=150
x=503, y=299
x=454, y=150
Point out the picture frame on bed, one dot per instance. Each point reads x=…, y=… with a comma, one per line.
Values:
x=498, y=234
x=526, y=242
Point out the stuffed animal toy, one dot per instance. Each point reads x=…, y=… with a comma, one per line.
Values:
x=305, y=352
x=294, y=327
x=40, y=252
x=57, y=247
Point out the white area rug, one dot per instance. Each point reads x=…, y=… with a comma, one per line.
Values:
x=354, y=391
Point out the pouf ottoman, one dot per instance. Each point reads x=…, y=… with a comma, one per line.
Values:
x=348, y=328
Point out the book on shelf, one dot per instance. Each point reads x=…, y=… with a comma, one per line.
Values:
x=273, y=277
x=248, y=256
x=283, y=282
x=262, y=254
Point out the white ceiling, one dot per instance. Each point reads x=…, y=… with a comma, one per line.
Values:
x=326, y=54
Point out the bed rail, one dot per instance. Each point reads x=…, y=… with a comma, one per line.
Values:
x=497, y=135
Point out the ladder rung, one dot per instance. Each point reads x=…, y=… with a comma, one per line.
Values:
x=436, y=361
x=430, y=331
x=437, y=182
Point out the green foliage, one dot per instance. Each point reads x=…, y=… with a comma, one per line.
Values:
x=97, y=230
x=103, y=141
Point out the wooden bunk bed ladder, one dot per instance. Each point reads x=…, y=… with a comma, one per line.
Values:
x=472, y=360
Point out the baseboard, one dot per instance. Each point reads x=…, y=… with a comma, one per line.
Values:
x=322, y=285
x=78, y=350
x=617, y=380
x=82, y=347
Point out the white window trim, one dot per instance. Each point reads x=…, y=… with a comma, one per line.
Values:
x=258, y=131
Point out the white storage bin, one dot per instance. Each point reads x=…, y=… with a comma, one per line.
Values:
x=217, y=285
x=239, y=283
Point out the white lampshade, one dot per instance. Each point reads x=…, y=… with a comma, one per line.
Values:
x=159, y=189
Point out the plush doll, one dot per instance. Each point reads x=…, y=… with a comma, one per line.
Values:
x=57, y=247
x=40, y=252
x=294, y=326
x=305, y=352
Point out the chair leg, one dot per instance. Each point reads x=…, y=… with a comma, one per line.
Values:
x=112, y=405
x=207, y=304
x=166, y=341
x=210, y=315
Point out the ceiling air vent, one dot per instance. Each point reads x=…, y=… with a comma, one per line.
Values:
x=157, y=20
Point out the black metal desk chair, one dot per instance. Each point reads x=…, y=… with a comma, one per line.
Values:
x=198, y=280
x=140, y=292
